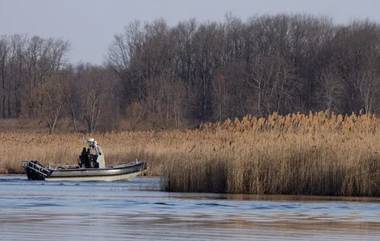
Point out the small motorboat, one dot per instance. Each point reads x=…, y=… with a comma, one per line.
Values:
x=125, y=172
x=91, y=167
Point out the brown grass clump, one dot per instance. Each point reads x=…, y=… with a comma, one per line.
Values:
x=317, y=154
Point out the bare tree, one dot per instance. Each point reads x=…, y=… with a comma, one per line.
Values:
x=165, y=76
x=165, y=100
x=43, y=58
x=96, y=89
x=50, y=98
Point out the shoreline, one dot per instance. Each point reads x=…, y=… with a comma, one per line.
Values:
x=315, y=154
x=235, y=196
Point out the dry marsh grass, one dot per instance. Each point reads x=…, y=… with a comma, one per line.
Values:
x=317, y=154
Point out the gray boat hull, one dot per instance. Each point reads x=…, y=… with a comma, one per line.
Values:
x=35, y=171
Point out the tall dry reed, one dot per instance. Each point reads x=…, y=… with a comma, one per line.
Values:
x=319, y=153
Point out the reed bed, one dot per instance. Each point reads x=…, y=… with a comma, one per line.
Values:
x=314, y=154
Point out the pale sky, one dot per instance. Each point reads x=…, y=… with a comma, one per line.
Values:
x=90, y=25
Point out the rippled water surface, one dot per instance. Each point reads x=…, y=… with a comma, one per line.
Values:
x=137, y=210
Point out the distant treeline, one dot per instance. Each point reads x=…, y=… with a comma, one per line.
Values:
x=161, y=76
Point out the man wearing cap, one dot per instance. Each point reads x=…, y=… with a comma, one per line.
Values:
x=96, y=154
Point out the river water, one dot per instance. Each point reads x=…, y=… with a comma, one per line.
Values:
x=138, y=210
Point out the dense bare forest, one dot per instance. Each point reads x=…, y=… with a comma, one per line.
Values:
x=162, y=76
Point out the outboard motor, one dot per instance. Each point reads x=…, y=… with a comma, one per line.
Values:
x=35, y=170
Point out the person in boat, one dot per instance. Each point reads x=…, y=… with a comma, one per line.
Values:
x=93, y=156
x=85, y=160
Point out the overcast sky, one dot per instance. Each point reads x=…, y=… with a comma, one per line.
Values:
x=89, y=25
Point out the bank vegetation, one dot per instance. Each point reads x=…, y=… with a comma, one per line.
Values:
x=310, y=154
x=160, y=76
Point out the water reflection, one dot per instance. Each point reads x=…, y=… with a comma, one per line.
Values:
x=138, y=210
